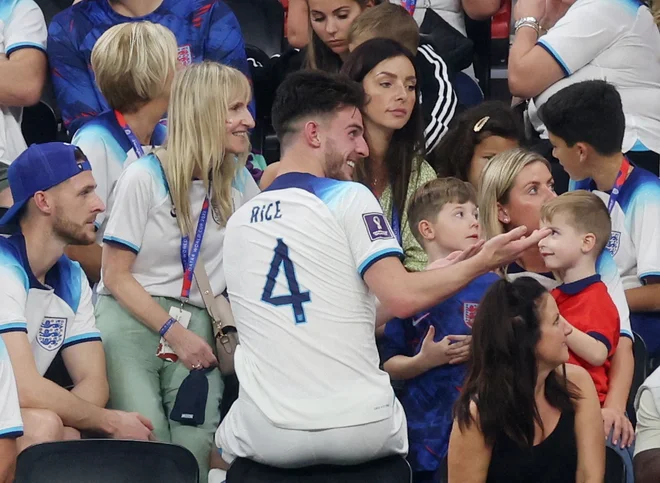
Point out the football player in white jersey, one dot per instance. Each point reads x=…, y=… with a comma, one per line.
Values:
x=46, y=302
x=304, y=263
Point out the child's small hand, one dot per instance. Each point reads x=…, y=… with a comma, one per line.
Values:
x=459, y=350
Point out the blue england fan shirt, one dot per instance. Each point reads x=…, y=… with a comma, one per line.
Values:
x=204, y=30
x=429, y=398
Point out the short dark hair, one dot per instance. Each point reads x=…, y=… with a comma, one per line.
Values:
x=590, y=112
x=312, y=93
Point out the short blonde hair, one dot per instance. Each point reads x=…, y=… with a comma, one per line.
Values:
x=133, y=63
x=388, y=21
x=585, y=213
x=497, y=178
x=429, y=199
x=199, y=107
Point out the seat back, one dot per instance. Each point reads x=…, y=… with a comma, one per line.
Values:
x=639, y=376
x=262, y=23
x=393, y=469
x=106, y=461
x=39, y=124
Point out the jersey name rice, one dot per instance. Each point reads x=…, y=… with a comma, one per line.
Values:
x=55, y=315
x=295, y=256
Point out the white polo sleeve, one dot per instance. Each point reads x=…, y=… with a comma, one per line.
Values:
x=647, y=431
x=83, y=328
x=13, y=298
x=370, y=235
x=94, y=148
x=645, y=231
x=609, y=274
x=133, y=199
x=590, y=24
x=11, y=424
x=26, y=28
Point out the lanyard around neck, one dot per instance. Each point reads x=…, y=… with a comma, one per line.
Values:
x=135, y=142
x=621, y=178
x=189, y=255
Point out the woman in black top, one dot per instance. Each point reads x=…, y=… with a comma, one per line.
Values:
x=524, y=416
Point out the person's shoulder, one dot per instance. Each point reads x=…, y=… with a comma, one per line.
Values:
x=98, y=129
x=642, y=188
x=326, y=189
x=81, y=11
x=578, y=375
x=421, y=174
x=11, y=260
x=144, y=171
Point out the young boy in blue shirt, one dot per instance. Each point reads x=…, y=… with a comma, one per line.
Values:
x=428, y=352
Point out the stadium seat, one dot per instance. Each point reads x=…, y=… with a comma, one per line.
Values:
x=442, y=475
x=393, y=469
x=39, y=124
x=106, y=461
x=615, y=468
x=639, y=376
x=262, y=23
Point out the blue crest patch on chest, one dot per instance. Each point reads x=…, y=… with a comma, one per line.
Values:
x=51, y=333
x=614, y=242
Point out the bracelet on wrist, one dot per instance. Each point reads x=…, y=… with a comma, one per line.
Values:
x=167, y=326
x=530, y=22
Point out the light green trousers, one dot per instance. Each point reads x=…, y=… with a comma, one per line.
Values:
x=141, y=382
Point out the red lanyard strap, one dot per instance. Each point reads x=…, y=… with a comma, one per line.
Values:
x=621, y=178
x=135, y=142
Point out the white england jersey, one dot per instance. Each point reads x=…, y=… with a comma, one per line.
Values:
x=294, y=260
x=11, y=424
x=616, y=41
x=56, y=315
x=109, y=150
x=635, y=239
x=22, y=26
x=609, y=275
x=143, y=220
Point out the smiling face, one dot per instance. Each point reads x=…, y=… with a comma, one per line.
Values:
x=344, y=144
x=533, y=187
x=565, y=246
x=238, y=125
x=391, y=92
x=331, y=20
x=456, y=227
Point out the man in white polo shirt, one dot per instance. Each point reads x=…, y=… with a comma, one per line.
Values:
x=613, y=40
x=318, y=249
x=45, y=299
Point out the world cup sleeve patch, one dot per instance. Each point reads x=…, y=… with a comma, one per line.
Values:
x=377, y=226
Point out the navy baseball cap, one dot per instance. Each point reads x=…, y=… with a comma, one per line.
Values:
x=38, y=168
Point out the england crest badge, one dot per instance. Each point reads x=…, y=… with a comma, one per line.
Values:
x=614, y=242
x=469, y=313
x=51, y=333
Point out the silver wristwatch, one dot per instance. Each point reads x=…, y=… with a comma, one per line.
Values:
x=527, y=22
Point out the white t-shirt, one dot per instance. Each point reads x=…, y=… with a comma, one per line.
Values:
x=635, y=239
x=22, y=26
x=294, y=260
x=11, y=424
x=109, y=150
x=609, y=275
x=56, y=315
x=450, y=10
x=142, y=219
x=616, y=41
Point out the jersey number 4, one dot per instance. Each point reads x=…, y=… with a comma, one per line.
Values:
x=296, y=298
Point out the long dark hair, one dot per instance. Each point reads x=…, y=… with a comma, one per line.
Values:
x=453, y=155
x=406, y=149
x=320, y=56
x=503, y=371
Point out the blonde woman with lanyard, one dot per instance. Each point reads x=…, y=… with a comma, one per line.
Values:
x=148, y=299
x=134, y=64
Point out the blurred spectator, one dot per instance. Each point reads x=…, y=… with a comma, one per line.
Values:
x=297, y=23
x=46, y=304
x=428, y=351
x=395, y=167
x=452, y=11
x=22, y=77
x=134, y=64
x=586, y=125
x=514, y=186
x=524, y=414
x=436, y=93
x=477, y=135
x=204, y=29
x=311, y=389
x=11, y=424
x=647, y=442
x=146, y=292
x=592, y=39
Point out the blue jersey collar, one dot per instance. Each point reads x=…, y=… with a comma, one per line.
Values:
x=578, y=286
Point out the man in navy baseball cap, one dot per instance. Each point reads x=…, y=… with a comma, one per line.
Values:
x=40, y=174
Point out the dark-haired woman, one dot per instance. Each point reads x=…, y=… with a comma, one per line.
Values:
x=393, y=128
x=477, y=135
x=524, y=415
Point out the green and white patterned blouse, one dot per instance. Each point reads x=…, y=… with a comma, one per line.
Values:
x=415, y=259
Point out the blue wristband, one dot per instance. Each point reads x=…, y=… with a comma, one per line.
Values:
x=167, y=326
